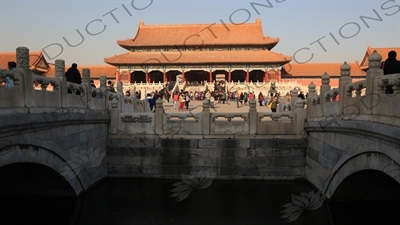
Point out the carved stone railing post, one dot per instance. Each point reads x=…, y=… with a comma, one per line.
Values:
x=121, y=94
x=114, y=115
x=103, y=83
x=343, y=81
x=159, y=116
x=23, y=67
x=325, y=80
x=311, y=95
x=300, y=115
x=86, y=82
x=253, y=117
x=206, y=117
x=374, y=70
x=120, y=86
x=295, y=94
x=103, y=88
x=60, y=75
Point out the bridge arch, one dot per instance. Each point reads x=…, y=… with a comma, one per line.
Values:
x=34, y=154
x=363, y=161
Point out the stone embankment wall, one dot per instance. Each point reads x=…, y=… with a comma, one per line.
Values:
x=282, y=158
x=72, y=144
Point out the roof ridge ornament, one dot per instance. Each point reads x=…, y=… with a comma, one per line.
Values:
x=141, y=23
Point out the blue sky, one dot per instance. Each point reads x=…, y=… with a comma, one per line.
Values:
x=298, y=24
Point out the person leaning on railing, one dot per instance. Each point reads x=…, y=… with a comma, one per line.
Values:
x=390, y=66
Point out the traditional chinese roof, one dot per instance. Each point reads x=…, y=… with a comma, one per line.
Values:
x=199, y=35
x=103, y=70
x=382, y=51
x=95, y=71
x=318, y=69
x=198, y=57
x=36, y=60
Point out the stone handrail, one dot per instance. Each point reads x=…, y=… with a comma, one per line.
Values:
x=229, y=116
x=45, y=82
x=330, y=96
x=384, y=80
x=8, y=73
x=209, y=123
x=357, y=87
x=40, y=93
x=365, y=100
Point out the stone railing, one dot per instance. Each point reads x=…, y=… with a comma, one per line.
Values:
x=364, y=100
x=35, y=93
x=144, y=88
x=145, y=122
x=264, y=87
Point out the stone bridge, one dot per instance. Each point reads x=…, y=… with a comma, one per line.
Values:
x=91, y=133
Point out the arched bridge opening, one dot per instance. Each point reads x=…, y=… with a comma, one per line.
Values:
x=33, y=170
x=366, y=197
x=27, y=178
x=29, y=189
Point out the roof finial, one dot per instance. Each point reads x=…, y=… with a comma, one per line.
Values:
x=258, y=20
x=141, y=23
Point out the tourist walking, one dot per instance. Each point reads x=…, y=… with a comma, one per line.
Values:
x=223, y=97
x=110, y=86
x=150, y=100
x=12, y=66
x=260, y=99
x=176, y=100
x=301, y=95
x=273, y=104
x=187, y=100
x=237, y=98
x=181, y=102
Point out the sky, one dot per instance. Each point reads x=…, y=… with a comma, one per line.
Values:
x=309, y=31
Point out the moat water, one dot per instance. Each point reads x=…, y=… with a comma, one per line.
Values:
x=205, y=201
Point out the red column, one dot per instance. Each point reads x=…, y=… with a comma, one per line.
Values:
x=211, y=76
x=165, y=76
x=117, y=76
x=147, y=77
x=229, y=76
x=278, y=75
x=266, y=76
x=247, y=76
x=131, y=77
x=183, y=76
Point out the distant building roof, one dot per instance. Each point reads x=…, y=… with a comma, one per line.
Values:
x=37, y=61
x=95, y=71
x=198, y=57
x=198, y=35
x=318, y=69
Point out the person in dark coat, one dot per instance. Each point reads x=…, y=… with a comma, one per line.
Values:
x=73, y=75
x=390, y=66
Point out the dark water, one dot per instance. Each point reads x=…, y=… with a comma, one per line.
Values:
x=148, y=202
x=366, y=197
